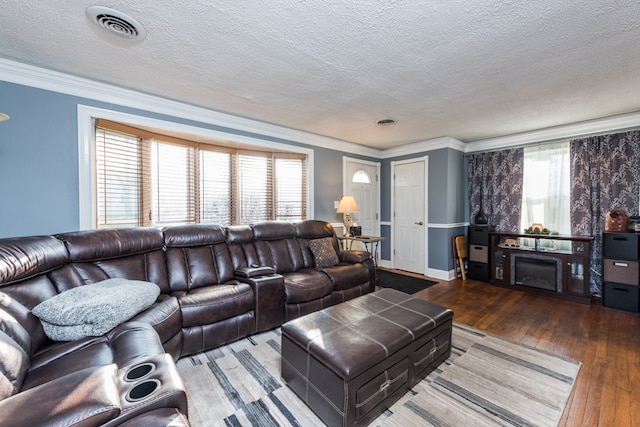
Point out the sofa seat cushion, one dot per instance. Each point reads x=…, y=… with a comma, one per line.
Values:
x=210, y=304
x=166, y=318
x=88, y=397
x=92, y=310
x=346, y=276
x=305, y=285
x=65, y=358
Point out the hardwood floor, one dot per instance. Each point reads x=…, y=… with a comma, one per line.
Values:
x=605, y=340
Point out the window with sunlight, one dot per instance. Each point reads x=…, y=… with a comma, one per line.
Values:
x=546, y=187
x=148, y=179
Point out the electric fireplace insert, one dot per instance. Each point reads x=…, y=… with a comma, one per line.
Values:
x=537, y=271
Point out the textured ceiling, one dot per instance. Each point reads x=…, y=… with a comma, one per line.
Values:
x=469, y=70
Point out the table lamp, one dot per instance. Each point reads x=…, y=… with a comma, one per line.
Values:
x=346, y=206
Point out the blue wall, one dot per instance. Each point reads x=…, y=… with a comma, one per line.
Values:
x=38, y=162
x=446, y=203
x=39, y=189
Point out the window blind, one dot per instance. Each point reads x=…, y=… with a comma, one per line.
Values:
x=147, y=178
x=216, y=203
x=172, y=179
x=118, y=179
x=255, y=187
x=290, y=188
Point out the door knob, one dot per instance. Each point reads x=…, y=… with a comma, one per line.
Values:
x=418, y=223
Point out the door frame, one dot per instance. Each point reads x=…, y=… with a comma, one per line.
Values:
x=425, y=239
x=346, y=159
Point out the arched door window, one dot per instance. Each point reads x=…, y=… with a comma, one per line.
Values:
x=361, y=177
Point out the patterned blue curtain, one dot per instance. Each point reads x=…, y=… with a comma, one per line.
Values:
x=495, y=185
x=605, y=175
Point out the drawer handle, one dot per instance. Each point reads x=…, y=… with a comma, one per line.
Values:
x=478, y=248
x=624, y=239
x=385, y=385
x=621, y=264
x=620, y=289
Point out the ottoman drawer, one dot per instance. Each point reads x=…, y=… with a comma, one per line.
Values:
x=430, y=354
x=380, y=387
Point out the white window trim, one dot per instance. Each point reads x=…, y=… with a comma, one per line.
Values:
x=86, y=155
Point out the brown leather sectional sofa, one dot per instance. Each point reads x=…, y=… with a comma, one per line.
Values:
x=217, y=284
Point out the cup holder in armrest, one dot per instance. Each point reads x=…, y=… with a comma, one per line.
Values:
x=142, y=390
x=139, y=371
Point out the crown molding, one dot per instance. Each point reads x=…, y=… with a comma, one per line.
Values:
x=41, y=78
x=422, y=146
x=617, y=123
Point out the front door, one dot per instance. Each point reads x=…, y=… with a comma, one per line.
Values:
x=409, y=216
x=362, y=183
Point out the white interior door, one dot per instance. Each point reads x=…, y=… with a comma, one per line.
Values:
x=409, y=216
x=361, y=182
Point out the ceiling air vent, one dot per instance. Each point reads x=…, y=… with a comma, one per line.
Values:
x=386, y=122
x=116, y=22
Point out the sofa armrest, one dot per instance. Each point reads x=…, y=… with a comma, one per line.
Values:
x=84, y=398
x=248, y=272
x=353, y=256
x=269, y=297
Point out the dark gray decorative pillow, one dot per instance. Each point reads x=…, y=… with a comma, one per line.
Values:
x=92, y=310
x=324, y=252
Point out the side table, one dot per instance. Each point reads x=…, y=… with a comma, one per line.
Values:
x=371, y=244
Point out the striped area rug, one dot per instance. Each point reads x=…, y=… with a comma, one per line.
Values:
x=487, y=381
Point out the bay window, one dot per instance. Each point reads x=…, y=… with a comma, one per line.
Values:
x=147, y=179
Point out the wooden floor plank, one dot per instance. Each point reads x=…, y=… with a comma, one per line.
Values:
x=605, y=340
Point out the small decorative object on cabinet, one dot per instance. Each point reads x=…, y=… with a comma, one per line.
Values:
x=554, y=264
x=479, y=252
x=621, y=258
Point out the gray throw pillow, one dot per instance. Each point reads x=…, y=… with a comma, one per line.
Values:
x=92, y=310
x=324, y=253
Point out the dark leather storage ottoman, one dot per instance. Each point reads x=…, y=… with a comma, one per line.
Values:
x=351, y=361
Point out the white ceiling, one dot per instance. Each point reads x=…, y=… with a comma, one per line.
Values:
x=469, y=70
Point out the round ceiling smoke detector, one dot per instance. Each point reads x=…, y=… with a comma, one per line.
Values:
x=386, y=122
x=116, y=22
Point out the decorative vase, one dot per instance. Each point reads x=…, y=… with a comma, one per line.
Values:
x=481, y=218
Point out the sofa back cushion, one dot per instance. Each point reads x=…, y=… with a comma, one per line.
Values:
x=277, y=246
x=197, y=256
x=26, y=257
x=25, y=265
x=127, y=253
x=15, y=346
x=242, y=247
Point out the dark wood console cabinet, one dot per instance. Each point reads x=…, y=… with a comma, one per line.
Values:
x=557, y=265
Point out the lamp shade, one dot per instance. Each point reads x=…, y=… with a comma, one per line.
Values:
x=3, y=117
x=347, y=204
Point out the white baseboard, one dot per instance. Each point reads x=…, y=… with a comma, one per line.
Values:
x=384, y=263
x=441, y=274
